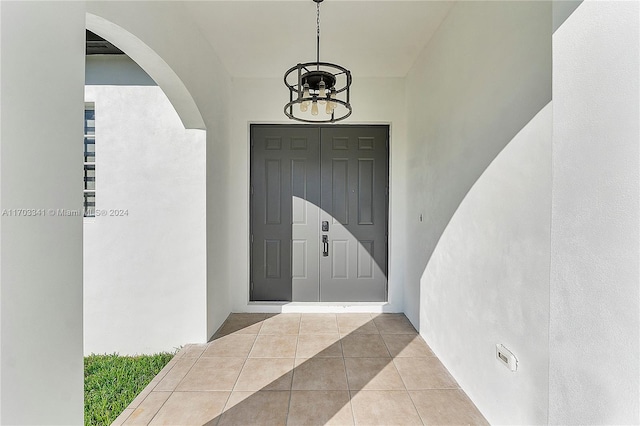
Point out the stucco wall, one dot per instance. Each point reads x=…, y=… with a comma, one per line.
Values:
x=487, y=281
x=205, y=79
x=41, y=256
x=595, y=297
x=478, y=171
x=144, y=273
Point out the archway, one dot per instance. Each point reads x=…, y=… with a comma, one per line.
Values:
x=150, y=173
x=153, y=65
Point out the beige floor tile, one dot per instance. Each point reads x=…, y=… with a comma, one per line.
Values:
x=147, y=409
x=319, y=408
x=424, y=373
x=212, y=374
x=246, y=316
x=256, y=408
x=192, y=351
x=364, y=345
x=241, y=324
x=354, y=317
x=318, y=324
x=142, y=395
x=372, y=374
x=166, y=369
x=393, y=324
x=274, y=346
x=373, y=408
x=406, y=345
x=356, y=324
x=281, y=324
x=265, y=374
x=122, y=417
x=397, y=315
x=383, y=357
x=191, y=408
x=446, y=407
x=320, y=374
x=175, y=375
x=233, y=345
x=319, y=345
x=353, y=320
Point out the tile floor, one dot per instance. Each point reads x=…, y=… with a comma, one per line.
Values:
x=305, y=369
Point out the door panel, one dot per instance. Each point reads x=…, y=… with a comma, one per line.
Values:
x=302, y=176
x=284, y=213
x=354, y=181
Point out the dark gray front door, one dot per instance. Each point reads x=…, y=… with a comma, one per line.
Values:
x=319, y=213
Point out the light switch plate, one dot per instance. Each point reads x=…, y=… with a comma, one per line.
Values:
x=506, y=357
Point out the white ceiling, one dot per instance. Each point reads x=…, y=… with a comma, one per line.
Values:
x=371, y=38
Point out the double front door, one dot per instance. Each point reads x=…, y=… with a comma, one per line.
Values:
x=319, y=207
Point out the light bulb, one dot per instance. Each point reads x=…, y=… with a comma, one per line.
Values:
x=332, y=96
x=304, y=106
x=330, y=106
x=322, y=92
x=314, y=108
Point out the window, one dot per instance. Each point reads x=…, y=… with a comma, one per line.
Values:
x=89, y=160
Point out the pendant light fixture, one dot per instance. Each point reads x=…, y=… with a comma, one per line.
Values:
x=319, y=92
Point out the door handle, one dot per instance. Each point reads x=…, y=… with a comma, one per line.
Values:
x=325, y=246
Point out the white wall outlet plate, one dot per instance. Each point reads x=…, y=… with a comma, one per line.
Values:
x=506, y=357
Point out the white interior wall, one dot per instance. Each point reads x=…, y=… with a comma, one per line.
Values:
x=41, y=256
x=262, y=101
x=191, y=58
x=477, y=265
x=487, y=281
x=140, y=267
x=595, y=297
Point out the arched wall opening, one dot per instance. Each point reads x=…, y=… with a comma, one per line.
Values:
x=144, y=253
x=153, y=65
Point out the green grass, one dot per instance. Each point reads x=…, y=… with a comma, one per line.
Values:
x=111, y=382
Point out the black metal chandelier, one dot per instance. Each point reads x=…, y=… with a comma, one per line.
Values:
x=319, y=92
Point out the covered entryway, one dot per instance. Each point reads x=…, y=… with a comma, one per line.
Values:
x=319, y=213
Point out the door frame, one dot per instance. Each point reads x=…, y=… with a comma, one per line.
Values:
x=357, y=305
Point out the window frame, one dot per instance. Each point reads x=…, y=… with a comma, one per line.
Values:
x=89, y=164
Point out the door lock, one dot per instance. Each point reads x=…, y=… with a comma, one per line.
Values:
x=325, y=246
x=325, y=226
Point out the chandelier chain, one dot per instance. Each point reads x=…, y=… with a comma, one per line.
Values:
x=318, y=34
